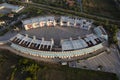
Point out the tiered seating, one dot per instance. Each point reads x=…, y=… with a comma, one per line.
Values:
x=84, y=44
x=88, y=41
x=76, y=44
x=25, y=41
x=79, y=44
x=17, y=38
x=46, y=45
x=95, y=40
x=67, y=45
x=34, y=43
x=73, y=44
x=101, y=32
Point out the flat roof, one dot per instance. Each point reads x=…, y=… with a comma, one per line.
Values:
x=11, y=6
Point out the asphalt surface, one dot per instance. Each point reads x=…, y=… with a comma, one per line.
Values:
x=7, y=36
x=110, y=62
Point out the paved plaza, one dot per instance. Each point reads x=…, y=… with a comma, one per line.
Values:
x=8, y=35
x=57, y=33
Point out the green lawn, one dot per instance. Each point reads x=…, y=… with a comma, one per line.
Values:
x=18, y=68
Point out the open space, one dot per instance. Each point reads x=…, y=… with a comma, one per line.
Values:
x=57, y=33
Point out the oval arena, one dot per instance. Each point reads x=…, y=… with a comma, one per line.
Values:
x=59, y=37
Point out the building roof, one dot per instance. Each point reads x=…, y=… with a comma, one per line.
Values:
x=100, y=30
x=38, y=19
x=14, y=8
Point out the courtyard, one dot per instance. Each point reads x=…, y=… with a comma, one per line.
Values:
x=57, y=33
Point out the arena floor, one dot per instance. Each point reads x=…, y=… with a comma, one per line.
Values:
x=57, y=33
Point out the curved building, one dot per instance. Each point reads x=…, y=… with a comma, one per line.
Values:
x=68, y=48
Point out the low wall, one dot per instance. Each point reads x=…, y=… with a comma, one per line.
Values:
x=3, y=42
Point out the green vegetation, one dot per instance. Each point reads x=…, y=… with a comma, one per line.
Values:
x=59, y=3
x=64, y=11
x=33, y=12
x=111, y=27
x=5, y=17
x=13, y=74
x=99, y=7
x=1, y=15
x=105, y=8
x=18, y=68
x=7, y=64
x=1, y=1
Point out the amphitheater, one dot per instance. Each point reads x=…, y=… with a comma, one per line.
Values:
x=61, y=37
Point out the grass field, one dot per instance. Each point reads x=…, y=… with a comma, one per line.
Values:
x=13, y=67
x=105, y=8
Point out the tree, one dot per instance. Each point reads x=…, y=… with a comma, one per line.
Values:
x=28, y=78
x=107, y=22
